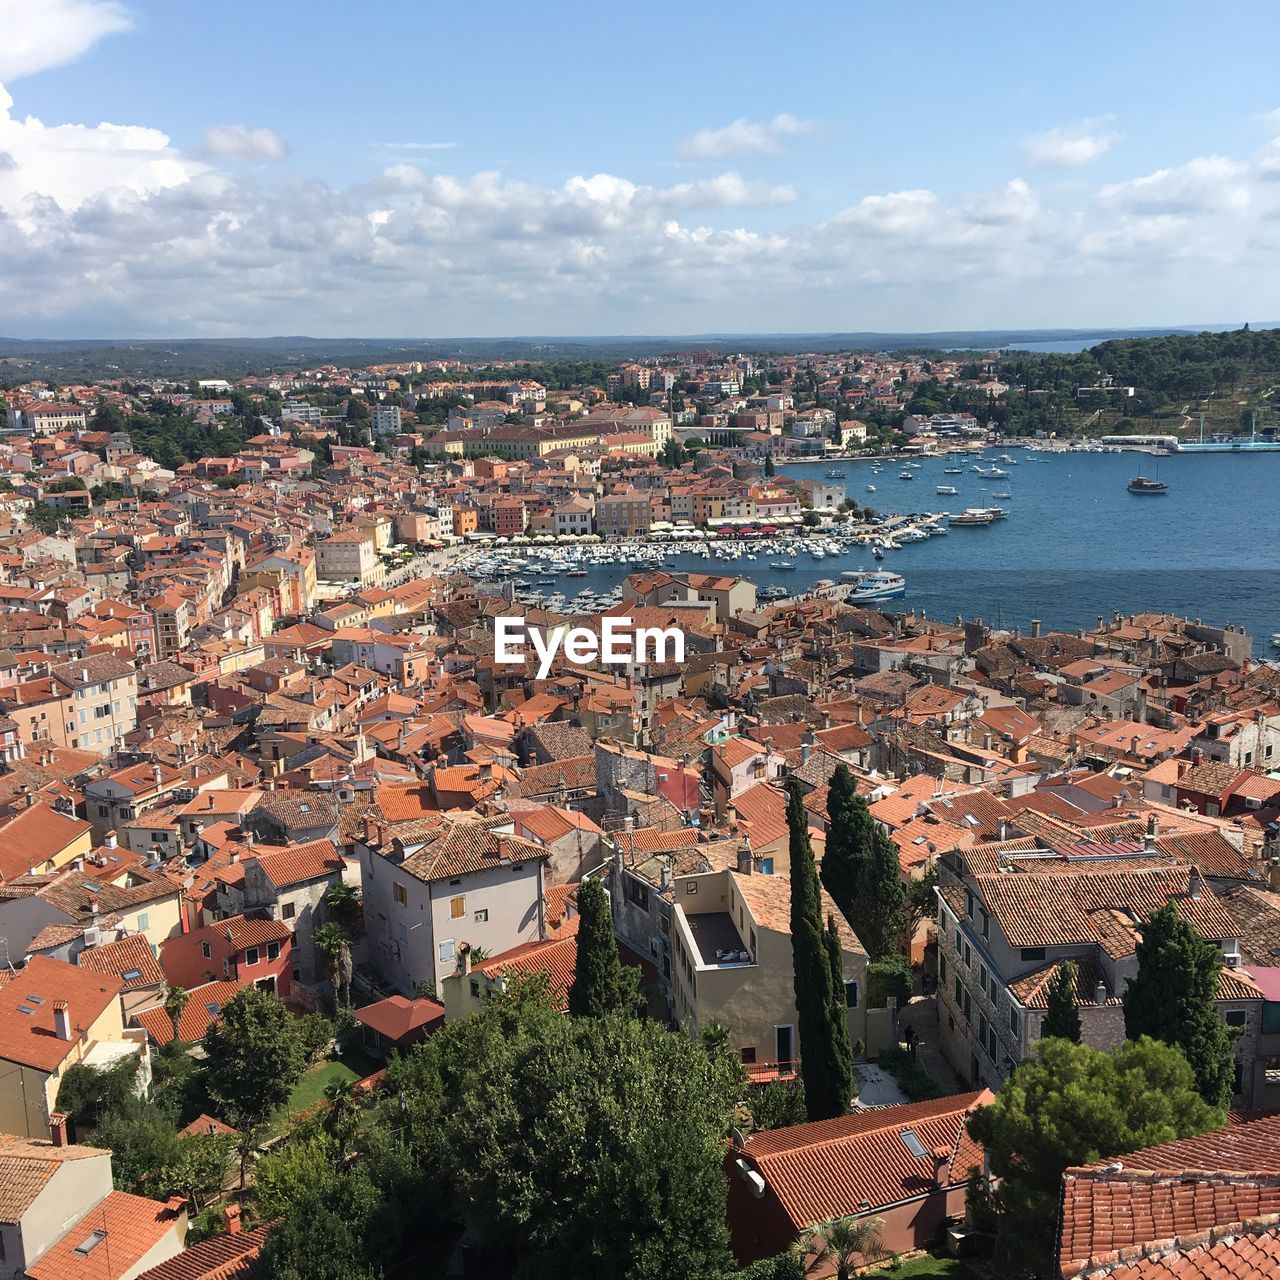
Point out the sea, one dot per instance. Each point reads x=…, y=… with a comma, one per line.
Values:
x=1075, y=547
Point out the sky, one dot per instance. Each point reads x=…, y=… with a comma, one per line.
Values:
x=406, y=168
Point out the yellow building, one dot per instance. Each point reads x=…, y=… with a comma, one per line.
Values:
x=52, y=1016
x=39, y=839
x=731, y=963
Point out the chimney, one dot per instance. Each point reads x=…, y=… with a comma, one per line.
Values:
x=231, y=1219
x=157, y=774
x=109, y=841
x=1100, y=994
x=464, y=958
x=62, y=1020
x=1153, y=833
x=1196, y=881
x=58, y=1129
x=1035, y=628
x=804, y=754
x=1002, y=832
x=746, y=863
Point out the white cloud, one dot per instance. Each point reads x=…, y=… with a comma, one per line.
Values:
x=239, y=141
x=1207, y=182
x=39, y=34
x=1074, y=144
x=414, y=146
x=69, y=163
x=743, y=138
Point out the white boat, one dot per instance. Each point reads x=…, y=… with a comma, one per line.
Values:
x=979, y=516
x=948, y=489
x=879, y=585
x=1275, y=640
x=905, y=475
x=871, y=488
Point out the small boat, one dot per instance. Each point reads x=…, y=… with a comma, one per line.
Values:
x=905, y=475
x=871, y=488
x=1140, y=484
x=781, y=565
x=877, y=553
x=576, y=573
x=948, y=489
x=1275, y=640
x=953, y=471
x=1002, y=493
x=836, y=475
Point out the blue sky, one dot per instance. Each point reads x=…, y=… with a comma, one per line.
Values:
x=408, y=169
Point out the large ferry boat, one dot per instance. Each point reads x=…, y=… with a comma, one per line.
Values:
x=879, y=585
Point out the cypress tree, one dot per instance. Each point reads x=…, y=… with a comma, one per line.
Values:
x=880, y=908
x=600, y=983
x=847, y=833
x=842, y=1073
x=812, y=974
x=1174, y=999
x=1063, y=1019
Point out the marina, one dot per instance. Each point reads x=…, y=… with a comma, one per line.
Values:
x=1062, y=543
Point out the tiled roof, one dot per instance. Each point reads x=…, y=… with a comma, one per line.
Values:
x=859, y=1163
x=298, y=863
x=26, y=1165
x=205, y=1124
x=397, y=1016
x=251, y=931
x=1162, y=1201
x=27, y=1032
x=133, y=1227
x=1038, y=909
x=459, y=848
x=204, y=1006
x=769, y=898
x=226, y=1256
x=130, y=959
x=34, y=835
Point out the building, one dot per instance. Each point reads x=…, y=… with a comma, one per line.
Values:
x=104, y=701
x=397, y=1023
x=52, y=1016
x=45, y=418
x=349, y=556
x=385, y=419
x=252, y=950
x=906, y=1166
x=431, y=885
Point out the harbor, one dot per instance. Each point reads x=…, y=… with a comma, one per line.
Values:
x=1057, y=536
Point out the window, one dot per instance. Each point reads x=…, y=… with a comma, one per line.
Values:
x=1032, y=953
x=446, y=951
x=288, y=910
x=691, y=887
x=982, y=979
x=782, y=1044
x=1014, y=1023
x=851, y=993
x=457, y=907
x=968, y=905
x=959, y=993
x=475, y=988
x=1234, y=1017
x=968, y=1007
x=144, y=922
x=273, y=951
x=748, y=1055
x=766, y=866
x=982, y=1028
x=399, y=895
x=986, y=925
x=482, y=916
x=103, y=811
x=251, y=956
x=942, y=970
x=637, y=892
x=968, y=955
x=206, y=950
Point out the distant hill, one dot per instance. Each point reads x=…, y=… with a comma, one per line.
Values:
x=70, y=360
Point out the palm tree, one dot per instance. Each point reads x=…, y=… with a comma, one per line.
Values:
x=175, y=1001
x=343, y=1121
x=843, y=1239
x=331, y=946
x=342, y=903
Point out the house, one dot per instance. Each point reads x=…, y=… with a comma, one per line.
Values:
x=573, y=841
x=252, y=950
x=731, y=963
x=204, y=1005
x=104, y=701
x=48, y=1186
x=1196, y=1207
x=431, y=884
x=40, y=838
x=131, y=960
x=229, y=1255
x=398, y=1023
x=288, y=884
x=52, y=1016
x=906, y=1166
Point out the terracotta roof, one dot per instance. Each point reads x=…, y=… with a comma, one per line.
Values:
x=457, y=848
x=1163, y=1201
x=858, y=1163
x=26, y=1165
x=397, y=1016
x=34, y=835
x=132, y=1226
x=769, y=898
x=251, y=931
x=27, y=997
x=205, y=1124
x=130, y=959
x=204, y=1006
x=226, y=1256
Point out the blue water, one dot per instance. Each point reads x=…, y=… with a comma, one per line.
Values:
x=1076, y=544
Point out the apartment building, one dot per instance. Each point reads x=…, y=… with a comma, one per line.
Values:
x=349, y=556
x=103, y=706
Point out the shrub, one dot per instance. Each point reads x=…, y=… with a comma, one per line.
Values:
x=912, y=1078
x=888, y=976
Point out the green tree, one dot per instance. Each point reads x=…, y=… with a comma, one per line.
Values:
x=43, y=518
x=176, y=1000
x=1174, y=997
x=601, y=984
x=1070, y=1105
x=342, y=1121
x=282, y=1177
x=341, y=1213
x=196, y=1169
x=880, y=908
x=334, y=952
x=1062, y=1022
x=769, y=469
x=253, y=1058
x=921, y=901
x=848, y=835
x=842, y=1073
x=823, y=1073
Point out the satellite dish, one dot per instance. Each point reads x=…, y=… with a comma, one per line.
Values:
x=735, y=1136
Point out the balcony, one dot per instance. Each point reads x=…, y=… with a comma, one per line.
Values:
x=716, y=938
